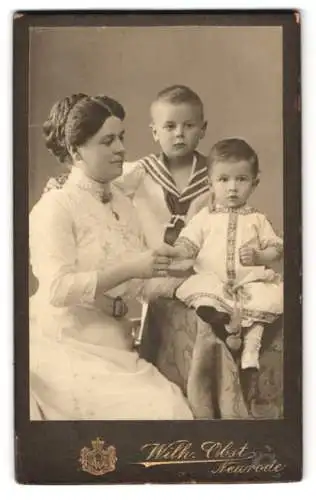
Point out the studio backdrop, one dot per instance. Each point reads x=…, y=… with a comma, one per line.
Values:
x=237, y=71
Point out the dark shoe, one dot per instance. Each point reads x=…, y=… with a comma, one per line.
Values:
x=211, y=316
x=249, y=384
x=216, y=319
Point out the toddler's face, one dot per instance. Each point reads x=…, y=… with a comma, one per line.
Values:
x=177, y=127
x=232, y=182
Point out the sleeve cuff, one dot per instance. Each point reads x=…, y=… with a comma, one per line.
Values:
x=87, y=286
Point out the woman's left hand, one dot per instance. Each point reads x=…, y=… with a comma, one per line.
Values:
x=161, y=287
x=152, y=263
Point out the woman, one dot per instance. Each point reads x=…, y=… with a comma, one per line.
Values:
x=88, y=256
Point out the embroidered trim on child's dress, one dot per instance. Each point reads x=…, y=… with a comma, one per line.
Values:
x=244, y=210
x=275, y=244
x=231, y=246
x=247, y=314
x=190, y=247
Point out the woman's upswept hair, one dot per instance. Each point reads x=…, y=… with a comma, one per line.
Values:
x=75, y=119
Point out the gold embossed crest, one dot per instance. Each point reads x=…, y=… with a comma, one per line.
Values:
x=98, y=460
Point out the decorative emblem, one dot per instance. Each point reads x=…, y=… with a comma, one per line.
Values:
x=98, y=460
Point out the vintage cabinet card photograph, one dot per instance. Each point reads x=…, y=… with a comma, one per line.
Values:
x=157, y=240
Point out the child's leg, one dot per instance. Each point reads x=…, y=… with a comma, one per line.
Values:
x=252, y=345
x=221, y=322
x=250, y=363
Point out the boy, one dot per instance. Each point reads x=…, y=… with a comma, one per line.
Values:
x=166, y=187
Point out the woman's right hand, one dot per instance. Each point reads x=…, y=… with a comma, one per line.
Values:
x=153, y=263
x=181, y=268
x=147, y=264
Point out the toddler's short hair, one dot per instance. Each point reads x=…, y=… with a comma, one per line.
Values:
x=234, y=150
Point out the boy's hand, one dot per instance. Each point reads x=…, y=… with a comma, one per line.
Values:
x=248, y=256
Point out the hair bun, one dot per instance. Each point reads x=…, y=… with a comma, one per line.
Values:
x=54, y=127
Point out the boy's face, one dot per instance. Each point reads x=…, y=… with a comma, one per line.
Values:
x=232, y=182
x=177, y=127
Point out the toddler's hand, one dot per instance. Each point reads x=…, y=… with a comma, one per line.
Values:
x=248, y=256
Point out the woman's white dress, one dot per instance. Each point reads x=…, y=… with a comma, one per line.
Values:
x=82, y=363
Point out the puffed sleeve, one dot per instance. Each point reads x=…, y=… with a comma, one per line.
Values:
x=130, y=179
x=53, y=252
x=267, y=235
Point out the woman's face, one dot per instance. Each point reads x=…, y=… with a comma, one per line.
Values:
x=102, y=156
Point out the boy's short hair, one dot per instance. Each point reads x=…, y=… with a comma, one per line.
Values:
x=179, y=94
x=234, y=150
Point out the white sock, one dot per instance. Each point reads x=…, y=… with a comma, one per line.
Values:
x=252, y=345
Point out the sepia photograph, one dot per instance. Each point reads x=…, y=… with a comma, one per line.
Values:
x=126, y=157
x=156, y=206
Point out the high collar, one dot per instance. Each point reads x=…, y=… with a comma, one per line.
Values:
x=243, y=209
x=100, y=191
